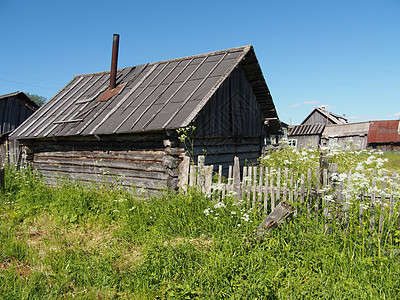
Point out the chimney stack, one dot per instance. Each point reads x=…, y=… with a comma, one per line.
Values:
x=113, y=89
x=114, y=62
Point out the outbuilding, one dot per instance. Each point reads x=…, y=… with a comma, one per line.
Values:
x=127, y=130
x=15, y=108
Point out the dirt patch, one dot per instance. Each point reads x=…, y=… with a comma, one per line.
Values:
x=21, y=268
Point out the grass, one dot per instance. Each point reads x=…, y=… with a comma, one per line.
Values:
x=95, y=242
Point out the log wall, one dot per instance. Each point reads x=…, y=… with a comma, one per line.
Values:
x=135, y=162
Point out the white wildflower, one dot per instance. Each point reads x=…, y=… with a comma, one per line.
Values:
x=245, y=217
x=219, y=205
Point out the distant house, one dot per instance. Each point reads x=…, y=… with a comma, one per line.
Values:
x=384, y=135
x=351, y=134
x=305, y=135
x=15, y=108
x=309, y=132
x=92, y=131
x=321, y=116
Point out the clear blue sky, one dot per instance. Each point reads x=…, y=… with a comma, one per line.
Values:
x=344, y=54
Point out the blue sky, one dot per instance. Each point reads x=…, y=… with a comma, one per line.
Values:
x=342, y=54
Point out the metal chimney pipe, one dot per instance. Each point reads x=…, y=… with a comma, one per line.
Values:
x=114, y=62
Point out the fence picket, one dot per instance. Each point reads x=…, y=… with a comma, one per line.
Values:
x=269, y=186
x=382, y=205
x=266, y=191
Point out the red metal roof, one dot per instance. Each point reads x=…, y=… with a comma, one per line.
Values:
x=384, y=131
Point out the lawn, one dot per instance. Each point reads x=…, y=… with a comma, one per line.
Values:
x=74, y=241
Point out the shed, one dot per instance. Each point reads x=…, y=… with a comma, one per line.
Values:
x=384, y=135
x=351, y=134
x=305, y=135
x=15, y=108
x=92, y=132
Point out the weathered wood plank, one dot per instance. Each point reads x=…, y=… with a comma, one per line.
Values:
x=103, y=163
x=144, y=155
x=184, y=173
x=276, y=217
x=2, y=181
x=236, y=176
x=382, y=204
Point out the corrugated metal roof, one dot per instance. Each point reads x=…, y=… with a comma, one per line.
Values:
x=306, y=129
x=343, y=130
x=162, y=95
x=384, y=131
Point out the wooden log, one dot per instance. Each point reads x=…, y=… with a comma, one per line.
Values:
x=275, y=218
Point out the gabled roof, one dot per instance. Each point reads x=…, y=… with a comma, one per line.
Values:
x=156, y=96
x=21, y=96
x=14, y=109
x=334, y=118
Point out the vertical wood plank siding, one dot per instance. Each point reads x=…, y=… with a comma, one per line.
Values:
x=230, y=124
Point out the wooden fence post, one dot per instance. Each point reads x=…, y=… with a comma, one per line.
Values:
x=236, y=177
x=2, y=181
x=184, y=173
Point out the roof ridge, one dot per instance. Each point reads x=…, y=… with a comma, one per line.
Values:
x=235, y=49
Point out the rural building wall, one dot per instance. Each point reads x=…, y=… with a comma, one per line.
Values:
x=230, y=124
x=134, y=161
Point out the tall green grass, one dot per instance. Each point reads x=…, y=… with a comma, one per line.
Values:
x=73, y=241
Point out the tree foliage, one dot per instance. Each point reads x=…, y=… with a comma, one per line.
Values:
x=39, y=100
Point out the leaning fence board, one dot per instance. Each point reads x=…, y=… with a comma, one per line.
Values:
x=276, y=217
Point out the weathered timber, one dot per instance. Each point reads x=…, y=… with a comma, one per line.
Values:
x=2, y=181
x=282, y=211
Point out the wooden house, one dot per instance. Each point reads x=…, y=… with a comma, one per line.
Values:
x=15, y=108
x=353, y=135
x=321, y=116
x=309, y=132
x=127, y=131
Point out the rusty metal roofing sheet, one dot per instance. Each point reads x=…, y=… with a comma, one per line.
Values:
x=162, y=95
x=306, y=129
x=384, y=131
